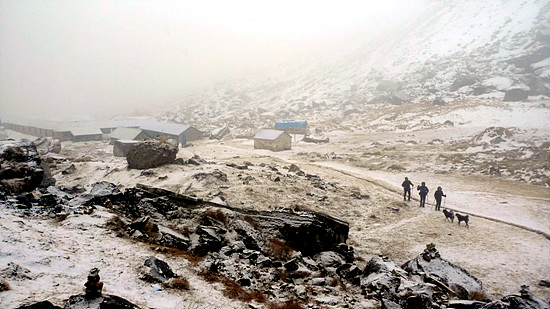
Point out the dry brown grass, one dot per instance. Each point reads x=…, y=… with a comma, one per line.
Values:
x=217, y=215
x=279, y=250
x=478, y=296
x=191, y=257
x=252, y=222
x=117, y=225
x=289, y=304
x=234, y=290
x=180, y=284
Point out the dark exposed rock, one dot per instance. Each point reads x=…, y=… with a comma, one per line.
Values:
x=515, y=95
x=69, y=170
x=14, y=271
x=20, y=166
x=105, y=301
x=545, y=283
x=439, y=101
x=151, y=154
x=158, y=270
x=39, y=305
x=463, y=80
x=48, y=179
x=251, y=237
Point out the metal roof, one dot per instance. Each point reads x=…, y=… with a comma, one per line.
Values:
x=269, y=134
x=124, y=133
x=164, y=127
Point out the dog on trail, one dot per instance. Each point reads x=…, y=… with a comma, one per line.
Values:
x=463, y=218
x=449, y=215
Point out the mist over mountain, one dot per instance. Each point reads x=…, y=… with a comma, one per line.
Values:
x=452, y=51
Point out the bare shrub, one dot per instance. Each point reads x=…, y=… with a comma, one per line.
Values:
x=279, y=250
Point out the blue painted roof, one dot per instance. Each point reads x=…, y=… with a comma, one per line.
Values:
x=290, y=124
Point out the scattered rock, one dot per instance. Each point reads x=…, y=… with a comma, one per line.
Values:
x=21, y=170
x=158, y=271
x=69, y=170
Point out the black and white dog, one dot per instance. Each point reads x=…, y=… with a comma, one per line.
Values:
x=449, y=214
x=463, y=218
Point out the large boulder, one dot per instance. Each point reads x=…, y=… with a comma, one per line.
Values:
x=150, y=154
x=436, y=270
x=20, y=169
x=105, y=301
x=157, y=270
x=515, y=95
x=462, y=81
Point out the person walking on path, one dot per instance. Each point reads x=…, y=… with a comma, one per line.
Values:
x=407, y=184
x=423, y=191
x=438, y=194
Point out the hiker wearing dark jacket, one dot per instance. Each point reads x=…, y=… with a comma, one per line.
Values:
x=423, y=191
x=438, y=194
x=407, y=184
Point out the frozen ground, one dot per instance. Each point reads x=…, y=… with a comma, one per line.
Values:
x=505, y=245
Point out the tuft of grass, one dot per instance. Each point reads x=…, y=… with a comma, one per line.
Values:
x=180, y=284
x=4, y=286
x=289, y=304
x=478, y=296
x=278, y=249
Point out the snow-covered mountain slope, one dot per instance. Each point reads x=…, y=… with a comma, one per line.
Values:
x=453, y=51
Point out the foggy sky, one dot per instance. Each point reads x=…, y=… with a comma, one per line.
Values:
x=99, y=58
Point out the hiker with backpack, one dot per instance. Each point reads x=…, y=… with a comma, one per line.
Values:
x=423, y=192
x=407, y=184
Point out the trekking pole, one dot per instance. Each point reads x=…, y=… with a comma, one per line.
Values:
x=444, y=200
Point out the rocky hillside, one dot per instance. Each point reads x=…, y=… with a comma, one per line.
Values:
x=494, y=50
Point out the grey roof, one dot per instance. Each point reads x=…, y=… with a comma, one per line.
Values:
x=78, y=131
x=125, y=133
x=164, y=127
x=269, y=134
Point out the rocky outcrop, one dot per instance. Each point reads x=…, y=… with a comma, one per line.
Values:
x=105, y=301
x=151, y=154
x=433, y=268
x=20, y=169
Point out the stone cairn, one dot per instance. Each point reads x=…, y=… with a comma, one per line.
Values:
x=93, y=285
x=430, y=252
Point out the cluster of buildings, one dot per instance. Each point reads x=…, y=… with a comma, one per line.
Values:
x=120, y=129
x=127, y=128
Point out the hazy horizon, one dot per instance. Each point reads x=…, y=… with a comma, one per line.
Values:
x=100, y=58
